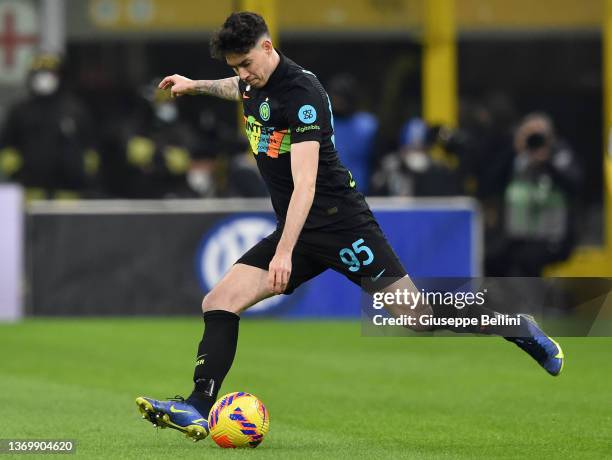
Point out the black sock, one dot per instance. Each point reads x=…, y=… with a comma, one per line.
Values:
x=477, y=312
x=214, y=359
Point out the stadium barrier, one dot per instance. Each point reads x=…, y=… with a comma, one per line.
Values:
x=160, y=257
x=11, y=252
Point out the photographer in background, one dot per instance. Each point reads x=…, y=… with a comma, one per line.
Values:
x=47, y=142
x=540, y=203
x=427, y=163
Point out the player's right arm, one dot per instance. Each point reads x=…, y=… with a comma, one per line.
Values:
x=225, y=88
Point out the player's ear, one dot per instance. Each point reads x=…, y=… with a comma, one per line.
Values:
x=267, y=45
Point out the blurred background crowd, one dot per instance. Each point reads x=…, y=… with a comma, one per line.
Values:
x=89, y=123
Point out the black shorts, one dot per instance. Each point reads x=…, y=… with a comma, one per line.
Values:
x=361, y=253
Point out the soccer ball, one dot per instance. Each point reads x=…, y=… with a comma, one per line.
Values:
x=238, y=420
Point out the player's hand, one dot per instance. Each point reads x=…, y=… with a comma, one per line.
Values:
x=279, y=272
x=178, y=85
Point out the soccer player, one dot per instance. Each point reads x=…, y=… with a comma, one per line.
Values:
x=323, y=221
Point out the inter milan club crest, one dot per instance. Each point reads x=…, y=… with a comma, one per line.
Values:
x=264, y=111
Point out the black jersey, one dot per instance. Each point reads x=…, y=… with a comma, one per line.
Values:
x=293, y=107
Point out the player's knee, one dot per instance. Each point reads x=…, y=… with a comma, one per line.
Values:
x=219, y=300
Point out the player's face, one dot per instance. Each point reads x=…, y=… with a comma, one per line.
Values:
x=254, y=67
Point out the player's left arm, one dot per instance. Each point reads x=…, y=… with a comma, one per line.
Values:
x=306, y=117
x=304, y=167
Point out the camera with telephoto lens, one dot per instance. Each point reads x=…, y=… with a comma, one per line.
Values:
x=535, y=141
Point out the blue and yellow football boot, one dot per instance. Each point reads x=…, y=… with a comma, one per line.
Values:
x=174, y=413
x=540, y=347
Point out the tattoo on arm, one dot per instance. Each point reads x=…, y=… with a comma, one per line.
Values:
x=226, y=88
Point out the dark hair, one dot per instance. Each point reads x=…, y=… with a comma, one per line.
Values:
x=238, y=35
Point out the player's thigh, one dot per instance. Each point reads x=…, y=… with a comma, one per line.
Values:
x=387, y=275
x=363, y=255
x=246, y=283
x=242, y=286
x=303, y=266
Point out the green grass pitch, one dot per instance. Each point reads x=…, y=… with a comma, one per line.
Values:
x=331, y=393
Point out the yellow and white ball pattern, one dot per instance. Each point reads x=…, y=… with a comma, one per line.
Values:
x=238, y=420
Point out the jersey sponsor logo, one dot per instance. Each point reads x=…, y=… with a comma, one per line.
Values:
x=303, y=129
x=307, y=114
x=264, y=111
x=266, y=139
x=222, y=246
